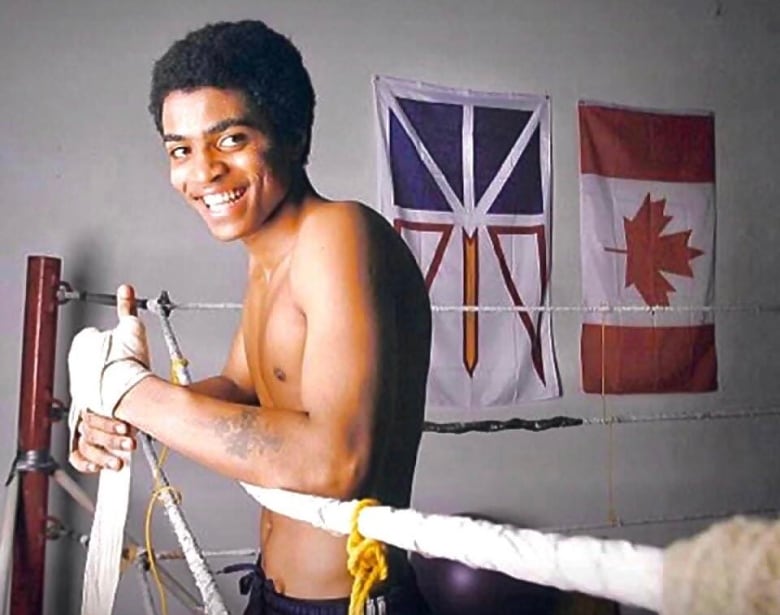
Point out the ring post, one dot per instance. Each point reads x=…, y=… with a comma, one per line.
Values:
x=34, y=433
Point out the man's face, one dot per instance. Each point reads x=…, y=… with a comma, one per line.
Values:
x=220, y=162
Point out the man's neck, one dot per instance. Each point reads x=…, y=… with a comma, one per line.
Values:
x=273, y=243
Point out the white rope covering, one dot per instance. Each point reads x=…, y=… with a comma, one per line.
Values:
x=201, y=573
x=7, y=539
x=226, y=553
x=612, y=569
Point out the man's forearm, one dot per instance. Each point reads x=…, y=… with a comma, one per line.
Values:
x=265, y=446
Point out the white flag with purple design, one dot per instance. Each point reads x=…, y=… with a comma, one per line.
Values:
x=464, y=176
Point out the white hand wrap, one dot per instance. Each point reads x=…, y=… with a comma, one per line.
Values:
x=104, y=366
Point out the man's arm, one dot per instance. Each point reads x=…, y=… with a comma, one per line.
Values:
x=325, y=448
x=100, y=436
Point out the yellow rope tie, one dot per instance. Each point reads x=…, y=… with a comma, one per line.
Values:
x=177, y=365
x=366, y=561
x=148, y=539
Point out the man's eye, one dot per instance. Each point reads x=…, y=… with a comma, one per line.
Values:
x=178, y=152
x=234, y=140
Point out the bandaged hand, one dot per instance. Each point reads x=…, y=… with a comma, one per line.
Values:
x=103, y=367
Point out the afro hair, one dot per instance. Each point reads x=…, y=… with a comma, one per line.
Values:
x=248, y=57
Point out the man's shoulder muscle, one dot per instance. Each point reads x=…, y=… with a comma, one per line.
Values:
x=331, y=236
x=333, y=217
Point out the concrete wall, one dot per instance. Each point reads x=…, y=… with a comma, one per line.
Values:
x=83, y=177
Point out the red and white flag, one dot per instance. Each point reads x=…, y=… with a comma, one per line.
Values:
x=647, y=194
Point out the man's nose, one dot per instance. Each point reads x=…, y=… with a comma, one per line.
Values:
x=207, y=167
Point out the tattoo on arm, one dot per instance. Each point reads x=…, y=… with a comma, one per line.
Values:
x=243, y=436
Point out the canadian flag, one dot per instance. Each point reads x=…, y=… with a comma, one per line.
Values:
x=647, y=197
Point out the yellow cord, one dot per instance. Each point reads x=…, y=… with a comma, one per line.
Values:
x=366, y=561
x=176, y=366
x=148, y=538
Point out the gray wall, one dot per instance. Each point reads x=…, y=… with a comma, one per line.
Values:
x=83, y=176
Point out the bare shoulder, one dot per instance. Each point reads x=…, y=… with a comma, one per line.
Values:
x=333, y=230
x=332, y=243
x=352, y=245
x=334, y=218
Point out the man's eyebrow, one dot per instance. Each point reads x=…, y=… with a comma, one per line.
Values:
x=215, y=128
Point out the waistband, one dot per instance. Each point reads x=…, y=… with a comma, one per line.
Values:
x=401, y=597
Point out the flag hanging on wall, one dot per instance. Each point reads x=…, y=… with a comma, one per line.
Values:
x=464, y=177
x=647, y=196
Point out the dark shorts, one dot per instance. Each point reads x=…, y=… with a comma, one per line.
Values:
x=403, y=598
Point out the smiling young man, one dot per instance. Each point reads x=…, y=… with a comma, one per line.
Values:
x=323, y=390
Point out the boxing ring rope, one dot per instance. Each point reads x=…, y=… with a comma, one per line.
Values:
x=584, y=564
x=66, y=293
x=612, y=569
x=533, y=545
x=201, y=573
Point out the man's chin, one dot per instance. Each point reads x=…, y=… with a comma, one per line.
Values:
x=224, y=235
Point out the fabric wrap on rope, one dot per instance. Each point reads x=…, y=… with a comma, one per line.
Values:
x=103, y=366
x=618, y=570
x=201, y=574
x=733, y=567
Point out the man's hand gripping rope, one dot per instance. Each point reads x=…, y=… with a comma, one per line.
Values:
x=103, y=367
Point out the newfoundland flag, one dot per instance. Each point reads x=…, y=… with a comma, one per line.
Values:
x=464, y=177
x=647, y=192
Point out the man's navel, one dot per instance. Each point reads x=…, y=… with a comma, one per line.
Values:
x=279, y=374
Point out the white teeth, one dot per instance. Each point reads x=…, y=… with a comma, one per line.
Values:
x=212, y=200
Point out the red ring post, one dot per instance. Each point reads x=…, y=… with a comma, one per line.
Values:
x=34, y=433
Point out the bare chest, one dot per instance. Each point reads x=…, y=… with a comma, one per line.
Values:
x=274, y=331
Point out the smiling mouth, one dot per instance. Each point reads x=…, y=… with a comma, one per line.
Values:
x=220, y=202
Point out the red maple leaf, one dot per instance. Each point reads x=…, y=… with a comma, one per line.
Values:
x=648, y=253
